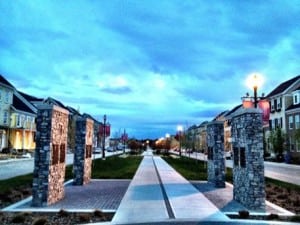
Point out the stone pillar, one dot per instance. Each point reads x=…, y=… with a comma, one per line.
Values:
x=248, y=160
x=216, y=159
x=83, y=151
x=50, y=155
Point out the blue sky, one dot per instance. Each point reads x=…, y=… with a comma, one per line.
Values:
x=148, y=65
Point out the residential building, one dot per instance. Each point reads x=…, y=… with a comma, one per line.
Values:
x=203, y=134
x=22, y=123
x=293, y=125
x=281, y=100
x=227, y=127
x=6, y=100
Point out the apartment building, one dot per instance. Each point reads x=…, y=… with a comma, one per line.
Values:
x=293, y=125
x=6, y=100
x=22, y=123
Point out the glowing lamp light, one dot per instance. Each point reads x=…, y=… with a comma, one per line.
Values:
x=254, y=80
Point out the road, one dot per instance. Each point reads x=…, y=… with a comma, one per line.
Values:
x=12, y=168
x=279, y=171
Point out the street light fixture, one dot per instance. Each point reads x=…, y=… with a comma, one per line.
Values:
x=179, y=130
x=254, y=81
x=103, y=141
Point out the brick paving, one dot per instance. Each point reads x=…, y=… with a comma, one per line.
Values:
x=98, y=194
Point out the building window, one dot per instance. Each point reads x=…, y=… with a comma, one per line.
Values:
x=297, y=121
x=279, y=103
x=18, y=121
x=291, y=121
x=295, y=99
x=5, y=117
x=7, y=97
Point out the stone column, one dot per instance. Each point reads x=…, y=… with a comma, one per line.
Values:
x=216, y=159
x=50, y=155
x=248, y=160
x=83, y=151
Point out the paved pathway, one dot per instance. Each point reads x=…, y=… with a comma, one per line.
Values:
x=158, y=193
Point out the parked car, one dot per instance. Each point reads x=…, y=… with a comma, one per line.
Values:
x=110, y=149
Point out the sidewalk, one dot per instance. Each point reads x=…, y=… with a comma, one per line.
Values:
x=158, y=193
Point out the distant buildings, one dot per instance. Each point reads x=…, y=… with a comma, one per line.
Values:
x=284, y=103
x=17, y=119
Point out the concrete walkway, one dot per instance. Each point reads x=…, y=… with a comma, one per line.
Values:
x=158, y=193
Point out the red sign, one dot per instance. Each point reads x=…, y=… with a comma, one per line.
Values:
x=265, y=107
x=248, y=104
x=104, y=130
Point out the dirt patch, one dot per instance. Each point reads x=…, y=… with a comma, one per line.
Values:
x=48, y=218
x=286, y=198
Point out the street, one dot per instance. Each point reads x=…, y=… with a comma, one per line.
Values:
x=279, y=171
x=19, y=167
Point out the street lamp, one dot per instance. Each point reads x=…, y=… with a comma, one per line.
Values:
x=168, y=142
x=179, y=131
x=254, y=81
x=103, y=141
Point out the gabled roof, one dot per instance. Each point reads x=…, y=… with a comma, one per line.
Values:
x=5, y=82
x=220, y=115
x=283, y=86
x=30, y=98
x=18, y=104
x=53, y=101
x=73, y=111
x=230, y=112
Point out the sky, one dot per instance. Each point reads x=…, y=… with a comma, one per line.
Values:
x=149, y=65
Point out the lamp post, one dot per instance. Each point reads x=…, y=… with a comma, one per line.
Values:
x=254, y=81
x=179, y=130
x=103, y=141
x=168, y=142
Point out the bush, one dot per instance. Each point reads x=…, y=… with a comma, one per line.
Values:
x=40, y=221
x=19, y=218
x=84, y=217
x=244, y=214
x=63, y=213
x=273, y=217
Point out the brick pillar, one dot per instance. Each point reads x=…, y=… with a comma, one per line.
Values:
x=248, y=160
x=216, y=159
x=50, y=155
x=83, y=151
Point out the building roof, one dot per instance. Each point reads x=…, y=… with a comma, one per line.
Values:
x=283, y=86
x=53, y=101
x=18, y=104
x=230, y=112
x=5, y=82
x=30, y=98
x=220, y=115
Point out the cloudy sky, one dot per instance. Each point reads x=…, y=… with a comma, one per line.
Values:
x=149, y=65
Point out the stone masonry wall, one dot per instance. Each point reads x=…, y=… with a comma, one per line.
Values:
x=50, y=155
x=248, y=161
x=83, y=151
x=216, y=159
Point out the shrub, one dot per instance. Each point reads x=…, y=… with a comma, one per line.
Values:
x=40, y=221
x=244, y=214
x=63, y=213
x=84, y=217
x=99, y=213
x=19, y=218
x=295, y=218
x=272, y=216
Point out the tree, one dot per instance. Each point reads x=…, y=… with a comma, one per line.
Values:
x=277, y=139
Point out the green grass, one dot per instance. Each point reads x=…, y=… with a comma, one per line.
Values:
x=116, y=167
x=110, y=168
x=193, y=169
x=189, y=168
